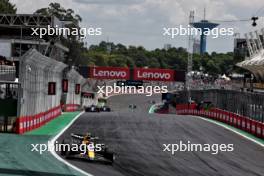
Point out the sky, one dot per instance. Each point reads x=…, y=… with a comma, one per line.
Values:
x=141, y=22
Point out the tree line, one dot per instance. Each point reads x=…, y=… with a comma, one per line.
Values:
x=110, y=54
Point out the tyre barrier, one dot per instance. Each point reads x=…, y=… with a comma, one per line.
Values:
x=238, y=121
x=29, y=123
x=71, y=107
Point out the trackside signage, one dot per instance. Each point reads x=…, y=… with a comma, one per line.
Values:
x=109, y=72
x=153, y=74
x=137, y=74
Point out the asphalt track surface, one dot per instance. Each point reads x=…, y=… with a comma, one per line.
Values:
x=138, y=137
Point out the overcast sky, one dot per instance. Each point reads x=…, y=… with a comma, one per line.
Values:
x=141, y=22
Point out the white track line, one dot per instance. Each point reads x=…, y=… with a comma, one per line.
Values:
x=230, y=129
x=53, y=140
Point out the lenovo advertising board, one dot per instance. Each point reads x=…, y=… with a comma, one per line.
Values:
x=151, y=74
x=136, y=74
x=109, y=72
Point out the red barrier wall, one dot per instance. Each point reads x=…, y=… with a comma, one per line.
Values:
x=71, y=107
x=244, y=123
x=28, y=123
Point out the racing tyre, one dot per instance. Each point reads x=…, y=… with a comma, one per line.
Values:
x=109, y=155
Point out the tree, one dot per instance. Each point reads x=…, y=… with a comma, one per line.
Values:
x=7, y=7
x=72, y=42
x=55, y=9
x=212, y=68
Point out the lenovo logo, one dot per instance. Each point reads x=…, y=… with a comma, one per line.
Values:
x=110, y=73
x=120, y=74
x=153, y=74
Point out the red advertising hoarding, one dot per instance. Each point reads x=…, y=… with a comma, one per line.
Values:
x=77, y=89
x=52, y=88
x=65, y=85
x=151, y=74
x=109, y=72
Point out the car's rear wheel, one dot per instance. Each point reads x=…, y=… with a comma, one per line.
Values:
x=110, y=156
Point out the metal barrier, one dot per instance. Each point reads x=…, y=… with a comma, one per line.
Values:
x=36, y=106
x=238, y=121
x=73, y=98
x=7, y=73
x=246, y=104
x=41, y=95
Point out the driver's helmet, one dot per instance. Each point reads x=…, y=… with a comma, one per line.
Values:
x=87, y=136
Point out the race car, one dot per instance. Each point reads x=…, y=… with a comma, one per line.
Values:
x=95, y=151
x=102, y=105
x=92, y=108
x=97, y=108
x=105, y=109
x=132, y=106
x=205, y=105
